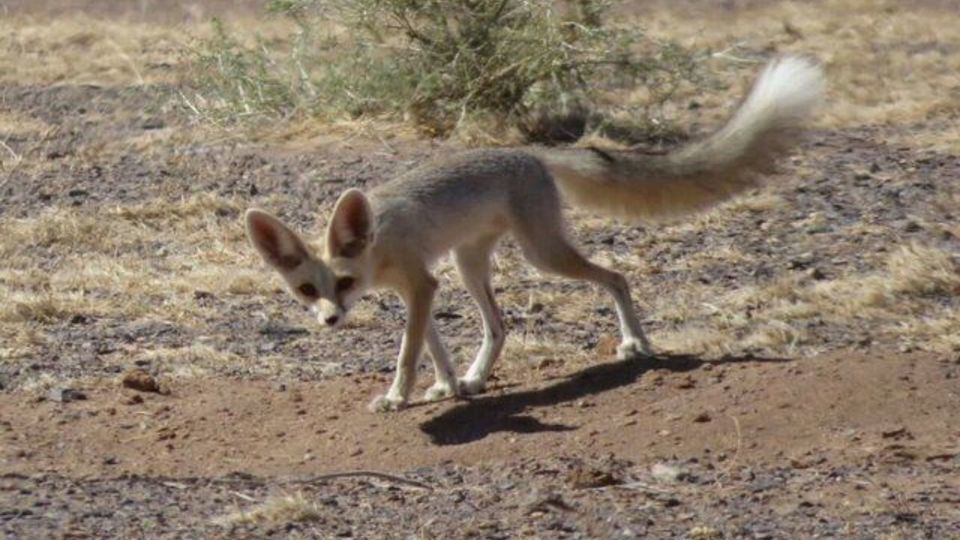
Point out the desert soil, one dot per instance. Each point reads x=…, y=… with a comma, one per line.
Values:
x=858, y=437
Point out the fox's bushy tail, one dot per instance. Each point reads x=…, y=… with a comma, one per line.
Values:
x=644, y=186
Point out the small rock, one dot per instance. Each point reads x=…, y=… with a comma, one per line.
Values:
x=912, y=226
x=65, y=395
x=897, y=433
x=140, y=380
x=202, y=295
x=585, y=477
x=546, y=362
x=702, y=417
x=152, y=123
x=80, y=318
x=667, y=474
x=703, y=532
x=542, y=504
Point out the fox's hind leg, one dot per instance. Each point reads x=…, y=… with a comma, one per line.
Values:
x=445, y=384
x=542, y=239
x=473, y=263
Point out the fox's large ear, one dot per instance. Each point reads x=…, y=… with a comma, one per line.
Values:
x=279, y=246
x=351, y=228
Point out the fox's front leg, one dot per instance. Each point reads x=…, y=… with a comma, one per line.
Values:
x=418, y=298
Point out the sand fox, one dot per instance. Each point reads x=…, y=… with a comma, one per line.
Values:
x=390, y=236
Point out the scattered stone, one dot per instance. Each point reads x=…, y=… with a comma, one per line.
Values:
x=667, y=474
x=279, y=329
x=912, y=226
x=546, y=362
x=65, y=395
x=153, y=123
x=582, y=477
x=541, y=504
x=202, y=295
x=80, y=318
x=140, y=380
x=703, y=532
x=896, y=433
x=702, y=417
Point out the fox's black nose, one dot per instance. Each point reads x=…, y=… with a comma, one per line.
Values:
x=332, y=320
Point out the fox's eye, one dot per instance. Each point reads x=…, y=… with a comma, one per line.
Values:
x=308, y=290
x=344, y=284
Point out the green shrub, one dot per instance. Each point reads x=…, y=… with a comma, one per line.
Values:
x=537, y=65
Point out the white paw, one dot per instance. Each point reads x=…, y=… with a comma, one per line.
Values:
x=387, y=403
x=439, y=391
x=634, y=348
x=471, y=385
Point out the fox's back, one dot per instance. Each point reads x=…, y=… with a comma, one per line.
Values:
x=451, y=200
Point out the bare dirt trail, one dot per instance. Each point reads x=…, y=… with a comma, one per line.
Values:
x=842, y=408
x=849, y=445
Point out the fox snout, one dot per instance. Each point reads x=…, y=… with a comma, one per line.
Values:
x=328, y=313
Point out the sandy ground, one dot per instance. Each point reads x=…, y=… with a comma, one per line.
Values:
x=813, y=388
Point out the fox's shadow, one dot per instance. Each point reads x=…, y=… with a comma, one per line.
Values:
x=480, y=416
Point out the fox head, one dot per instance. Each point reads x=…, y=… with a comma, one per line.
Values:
x=331, y=283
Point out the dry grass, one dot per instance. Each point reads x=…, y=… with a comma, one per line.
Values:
x=888, y=63
x=81, y=50
x=191, y=361
x=276, y=511
x=897, y=300
x=139, y=261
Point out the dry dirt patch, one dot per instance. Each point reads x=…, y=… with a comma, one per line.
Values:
x=730, y=413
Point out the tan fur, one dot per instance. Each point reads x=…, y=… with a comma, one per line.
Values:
x=643, y=186
x=390, y=237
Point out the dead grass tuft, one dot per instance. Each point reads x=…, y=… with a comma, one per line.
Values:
x=275, y=511
x=82, y=50
x=879, y=69
x=903, y=299
x=194, y=360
